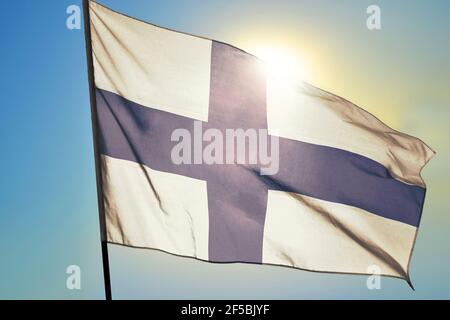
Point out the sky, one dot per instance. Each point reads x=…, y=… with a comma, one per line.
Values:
x=48, y=204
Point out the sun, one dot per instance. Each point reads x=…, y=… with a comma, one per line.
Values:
x=280, y=63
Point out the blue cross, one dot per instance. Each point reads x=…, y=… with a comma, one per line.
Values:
x=238, y=194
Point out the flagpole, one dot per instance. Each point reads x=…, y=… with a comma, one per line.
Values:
x=98, y=171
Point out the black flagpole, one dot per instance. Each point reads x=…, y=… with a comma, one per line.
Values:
x=98, y=171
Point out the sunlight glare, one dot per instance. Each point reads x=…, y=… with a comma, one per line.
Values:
x=280, y=64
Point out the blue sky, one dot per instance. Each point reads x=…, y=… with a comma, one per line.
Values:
x=48, y=206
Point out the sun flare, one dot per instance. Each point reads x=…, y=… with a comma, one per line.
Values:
x=279, y=63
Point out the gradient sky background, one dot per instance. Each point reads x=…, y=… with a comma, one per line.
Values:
x=48, y=206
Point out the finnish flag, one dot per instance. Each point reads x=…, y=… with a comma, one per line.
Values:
x=343, y=191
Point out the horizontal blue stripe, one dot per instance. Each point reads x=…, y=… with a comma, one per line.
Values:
x=141, y=134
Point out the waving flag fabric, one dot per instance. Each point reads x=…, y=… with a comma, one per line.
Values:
x=348, y=193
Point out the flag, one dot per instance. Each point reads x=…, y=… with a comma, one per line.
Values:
x=330, y=188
